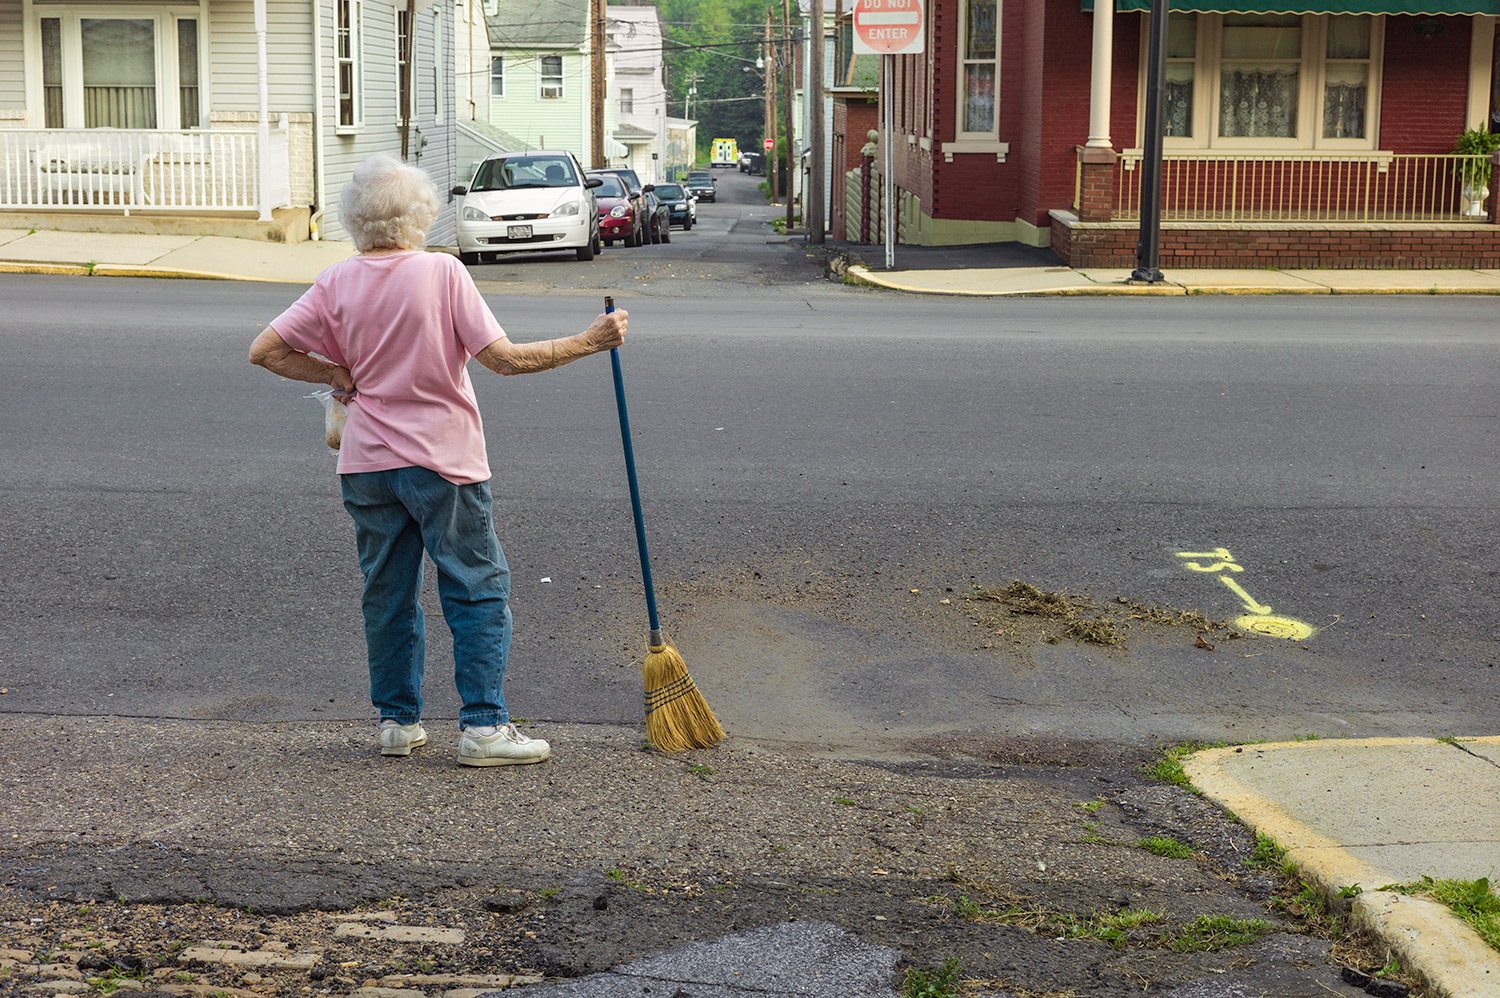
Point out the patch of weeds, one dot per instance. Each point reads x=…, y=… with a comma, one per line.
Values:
x=1304, y=738
x=85, y=910
x=701, y=770
x=1449, y=740
x=618, y=876
x=846, y=801
x=1471, y=900
x=420, y=965
x=1091, y=835
x=183, y=977
x=1168, y=769
x=1267, y=853
x=1351, y=891
x=648, y=746
x=548, y=892
x=1216, y=932
x=939, y=982
x=1112, y=929
x=1165, y=845
x=89, y=267
x=1090, y=805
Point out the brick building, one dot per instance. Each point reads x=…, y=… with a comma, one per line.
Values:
x=1313, y=133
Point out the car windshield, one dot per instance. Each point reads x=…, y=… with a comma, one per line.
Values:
x=700, y=176
x=668, y=192
x=516, y=172
x=610, y=186
x=628, y=176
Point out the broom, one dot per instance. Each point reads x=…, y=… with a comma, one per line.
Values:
x=677, y=717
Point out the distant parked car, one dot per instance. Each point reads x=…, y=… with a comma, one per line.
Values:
x=658, y=220
x=527, y=202
x=743, y=162
x=700, y=184
x=619, y=217
x=682, y=210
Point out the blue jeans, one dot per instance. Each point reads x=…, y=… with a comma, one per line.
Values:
x=397, y=514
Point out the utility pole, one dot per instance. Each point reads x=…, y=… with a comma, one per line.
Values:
x=597, y=89
x=772, y=159
x=792, y=162
x=813, y=211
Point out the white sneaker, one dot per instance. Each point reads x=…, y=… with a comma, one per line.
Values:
x=399, y=739
x=499, y=746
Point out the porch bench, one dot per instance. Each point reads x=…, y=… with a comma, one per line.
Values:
x=85, y=168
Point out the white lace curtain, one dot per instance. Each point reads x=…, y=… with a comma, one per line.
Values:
x=1258, y=101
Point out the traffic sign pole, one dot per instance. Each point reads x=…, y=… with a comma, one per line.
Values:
x=888, y=28
x=888, y=68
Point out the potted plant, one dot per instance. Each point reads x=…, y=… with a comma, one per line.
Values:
x=1475, y=145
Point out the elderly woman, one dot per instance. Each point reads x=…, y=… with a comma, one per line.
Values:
x=397, y=327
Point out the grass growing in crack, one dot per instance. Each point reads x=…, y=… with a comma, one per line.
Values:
x=939, y=982
x=1267, y=853
x=1474, y=901
x=1168, y=768
x=1167, y=846
x=1216, y=932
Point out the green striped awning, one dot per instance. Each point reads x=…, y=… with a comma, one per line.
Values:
x=1425, y=8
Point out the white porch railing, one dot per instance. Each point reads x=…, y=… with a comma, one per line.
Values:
x=1310, y=187
x=129, y=169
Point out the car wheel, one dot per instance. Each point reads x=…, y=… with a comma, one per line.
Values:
x=655, y=232
x=586, y=251
x=633, y=239
x=598, y=244
x=468, y=259
x=666, y=234
x=688, y=224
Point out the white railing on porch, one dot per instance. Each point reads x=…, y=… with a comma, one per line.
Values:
x=1310, y=187
x=113, y=169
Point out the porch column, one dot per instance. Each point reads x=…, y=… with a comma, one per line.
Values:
x=1102, y=73
x=263, y=125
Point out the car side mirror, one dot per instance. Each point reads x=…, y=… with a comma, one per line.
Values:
x=649, y=188
x=594, y=182
x=460, y=190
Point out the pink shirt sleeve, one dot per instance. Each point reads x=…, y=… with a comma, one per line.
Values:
x=473, y=321
x=304, y=326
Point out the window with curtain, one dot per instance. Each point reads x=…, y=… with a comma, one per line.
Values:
x=627, y=100
x=497, y=76
x=1182, y=62
x=119, y=72
x=979, y=76
x=187, y=73
x=1259, y=72
x=52, y=79
x=1346, y=77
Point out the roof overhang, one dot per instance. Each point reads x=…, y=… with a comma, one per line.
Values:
x=1425, y=8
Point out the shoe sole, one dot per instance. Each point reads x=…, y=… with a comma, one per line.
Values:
x=497, y=760
x=403, y=749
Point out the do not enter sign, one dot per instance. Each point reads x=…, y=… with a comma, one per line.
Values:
x=769, y=144
x=888, y=27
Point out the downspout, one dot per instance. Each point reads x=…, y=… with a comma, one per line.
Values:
x=263, y=126
x=315, y=224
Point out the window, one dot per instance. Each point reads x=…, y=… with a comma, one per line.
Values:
x=437, y=63
x=102, y=70
x=627, y=100
x=979, y=75
x=347, y=58
x=404, y=72
x=497, y=76
x=550, y=82
x=1272, y=80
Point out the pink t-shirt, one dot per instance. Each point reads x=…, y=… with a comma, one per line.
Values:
x=405, y=325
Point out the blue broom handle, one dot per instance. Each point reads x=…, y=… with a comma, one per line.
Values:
x=635, y=489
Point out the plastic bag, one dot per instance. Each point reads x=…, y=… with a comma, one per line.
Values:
x=335, y=413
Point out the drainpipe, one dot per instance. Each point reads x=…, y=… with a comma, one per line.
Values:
x=263, y=126
x=315, y=224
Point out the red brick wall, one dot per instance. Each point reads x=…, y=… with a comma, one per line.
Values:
x=1347, y=249
x=1424, y=93
x=853, y=117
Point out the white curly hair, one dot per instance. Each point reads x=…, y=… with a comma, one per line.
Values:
x=388, y=204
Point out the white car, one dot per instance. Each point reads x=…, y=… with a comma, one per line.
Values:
x=528, y=202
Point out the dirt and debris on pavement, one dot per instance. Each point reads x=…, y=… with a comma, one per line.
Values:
x=286, y=859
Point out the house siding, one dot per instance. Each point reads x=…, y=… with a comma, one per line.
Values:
x=553, y=123
x=12, y=69
x=234, y=82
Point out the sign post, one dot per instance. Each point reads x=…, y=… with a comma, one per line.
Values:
x=888, y=28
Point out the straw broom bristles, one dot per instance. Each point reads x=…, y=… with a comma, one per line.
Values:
x=677, y=716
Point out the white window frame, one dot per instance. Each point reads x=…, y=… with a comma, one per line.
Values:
x=627, y=101
x=168, y=77
x=964, y=61
x=497, y=77
x=1311, y=79
x=562, y=76
x=357, y=69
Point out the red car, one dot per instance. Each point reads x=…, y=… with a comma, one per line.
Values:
x=618, y=214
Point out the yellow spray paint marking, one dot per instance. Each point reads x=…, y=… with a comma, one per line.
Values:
x=1260, y=619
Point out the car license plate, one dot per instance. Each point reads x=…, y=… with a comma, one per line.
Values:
x=518, y=231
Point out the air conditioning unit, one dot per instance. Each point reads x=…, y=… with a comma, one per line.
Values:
x=551, y=92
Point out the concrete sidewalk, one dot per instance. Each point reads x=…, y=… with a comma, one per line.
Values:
x=1374, y=813
x=965, y=271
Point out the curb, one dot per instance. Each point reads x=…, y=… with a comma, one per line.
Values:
x=1431, y=941
x=859, y=274
x=133, y=270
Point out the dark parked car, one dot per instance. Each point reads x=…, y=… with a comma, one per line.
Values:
x=700, y=184
x=679, y=204
x=622, y=209
x=658, y=221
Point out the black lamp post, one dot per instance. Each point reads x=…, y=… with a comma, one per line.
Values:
x=1148, y=249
